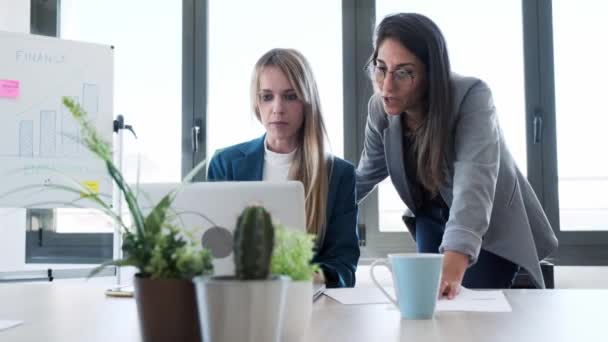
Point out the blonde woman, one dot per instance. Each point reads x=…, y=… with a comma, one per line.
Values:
x=285, y=99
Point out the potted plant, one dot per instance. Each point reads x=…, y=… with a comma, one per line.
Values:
x=247, y=306
x=292, y=257
x=166, y=260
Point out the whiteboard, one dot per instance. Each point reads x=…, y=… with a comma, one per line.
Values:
x=40, y=142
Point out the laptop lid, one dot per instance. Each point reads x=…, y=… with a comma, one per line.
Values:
x=209, y=210
x=317, y=290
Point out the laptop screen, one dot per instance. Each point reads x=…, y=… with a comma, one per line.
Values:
x=209, y=210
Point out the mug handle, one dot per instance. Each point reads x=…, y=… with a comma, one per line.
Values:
x=381, y=262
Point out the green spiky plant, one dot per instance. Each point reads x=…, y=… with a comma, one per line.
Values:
x=153, y=244
x=253, y=244
x=293, y=253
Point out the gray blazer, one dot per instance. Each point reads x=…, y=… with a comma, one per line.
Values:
x=492, y=205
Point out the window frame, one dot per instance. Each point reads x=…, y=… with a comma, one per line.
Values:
x=358, y=21
x=575, y=248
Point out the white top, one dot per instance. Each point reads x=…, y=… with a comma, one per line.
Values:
x=276, y=165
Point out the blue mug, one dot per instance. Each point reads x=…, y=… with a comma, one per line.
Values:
x=416, y=279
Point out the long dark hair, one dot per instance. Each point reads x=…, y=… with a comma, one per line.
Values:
x=424, y=39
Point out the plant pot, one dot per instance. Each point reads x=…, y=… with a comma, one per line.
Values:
x=298, y=311
x=236, y=310
x=167, y=310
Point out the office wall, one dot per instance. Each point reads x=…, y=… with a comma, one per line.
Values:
x=14, y=17
x=581, y=277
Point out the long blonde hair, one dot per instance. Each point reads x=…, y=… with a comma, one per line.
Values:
x=310, y=164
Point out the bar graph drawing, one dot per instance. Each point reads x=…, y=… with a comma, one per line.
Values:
x=56, y=136
x=48, y=130
x=40, y=142
x=70, y=134
x=90, y=100
x=26, y=138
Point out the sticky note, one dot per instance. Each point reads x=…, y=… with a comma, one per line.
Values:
x=92, y=186
x=9, y=89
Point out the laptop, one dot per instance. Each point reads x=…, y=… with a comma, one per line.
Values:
x=209, y=210
x=317, y=291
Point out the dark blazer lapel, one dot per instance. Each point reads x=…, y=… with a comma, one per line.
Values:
x=393, y=149
x=250, y=166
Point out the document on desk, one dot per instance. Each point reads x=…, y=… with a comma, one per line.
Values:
x=467, y=300
x=475, y=301
x=8, y=324
x=359, y=295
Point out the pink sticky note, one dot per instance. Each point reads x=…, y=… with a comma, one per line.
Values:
x=9, y=88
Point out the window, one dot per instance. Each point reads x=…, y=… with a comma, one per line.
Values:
x=147, y=91
x=488, y=44
x=147, y=40
x=580, y=114
x=238, y=38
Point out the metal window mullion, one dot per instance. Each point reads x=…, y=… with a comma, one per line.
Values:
x=188, y=64
x=358, y=22
x=44, y=17
x=201, y=32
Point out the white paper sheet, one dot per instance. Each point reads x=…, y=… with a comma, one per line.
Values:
x=467, y=300
x=360, y=295
x=475, y=301
x=9, y=324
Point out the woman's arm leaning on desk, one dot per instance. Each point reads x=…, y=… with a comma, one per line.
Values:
x=338, y=253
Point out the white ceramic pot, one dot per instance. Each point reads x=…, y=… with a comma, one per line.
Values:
x=298, y=311
x=236, y=310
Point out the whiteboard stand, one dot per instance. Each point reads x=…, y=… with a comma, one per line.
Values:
x=117, y=198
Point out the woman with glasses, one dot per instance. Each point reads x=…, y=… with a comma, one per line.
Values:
x=436, y=134
x=285, y=100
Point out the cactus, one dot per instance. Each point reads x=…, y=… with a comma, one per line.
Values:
x=253, y=244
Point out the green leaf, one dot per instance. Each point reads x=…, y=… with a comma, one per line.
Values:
x=138, y=218
x=83, y=193
x=194, y=171
x=93, y=141
x=87, y=194
x=156, y=247
x=158, y=216
x=292, y=254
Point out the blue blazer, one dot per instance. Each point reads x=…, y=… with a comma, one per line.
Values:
x=338, y=253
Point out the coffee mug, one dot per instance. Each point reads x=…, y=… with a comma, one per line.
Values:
x=416, y=279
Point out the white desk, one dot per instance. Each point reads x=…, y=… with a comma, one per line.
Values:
x=81, y=312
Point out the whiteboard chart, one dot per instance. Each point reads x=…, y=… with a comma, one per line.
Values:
x=40, y=142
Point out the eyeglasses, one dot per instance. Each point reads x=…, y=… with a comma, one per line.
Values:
x=401, y=75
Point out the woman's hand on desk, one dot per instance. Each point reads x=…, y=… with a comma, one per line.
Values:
x=454, y=266
x=318, y=277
